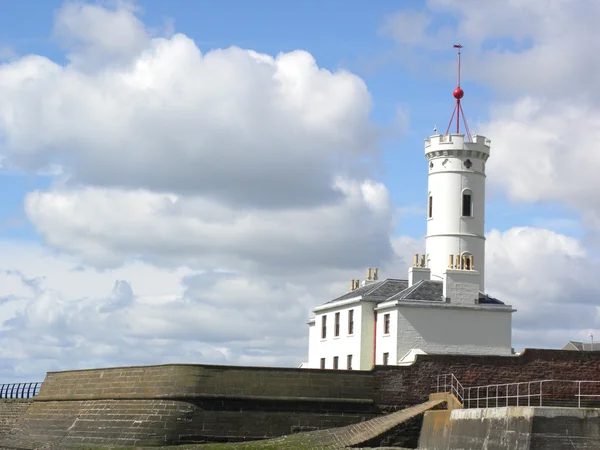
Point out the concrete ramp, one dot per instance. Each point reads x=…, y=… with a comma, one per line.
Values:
x=356, y=435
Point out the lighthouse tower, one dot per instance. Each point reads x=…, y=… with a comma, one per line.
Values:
x=456, y=198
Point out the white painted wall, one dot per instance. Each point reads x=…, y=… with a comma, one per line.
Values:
x=387, y=343
x=448, y=232
x=359, y=344
x=459, y=330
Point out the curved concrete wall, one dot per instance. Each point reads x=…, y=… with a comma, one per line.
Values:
x=156, y=405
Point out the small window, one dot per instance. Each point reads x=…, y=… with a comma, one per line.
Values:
x=386, y=359
x=349, y=362
x=336, y=328
x=335, y=362
x=322, y=363
x=386, y=324
x=430, y=207
x=323, y=327
x=351, y=321
x=467, y=204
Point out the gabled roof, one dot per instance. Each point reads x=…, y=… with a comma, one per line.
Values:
x=582, y=346
x=376, y=291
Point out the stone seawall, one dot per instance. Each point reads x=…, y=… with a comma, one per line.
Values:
x=166, y=404
x=11, y=410
x=404, y=386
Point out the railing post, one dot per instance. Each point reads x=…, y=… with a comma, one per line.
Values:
x=541, y=393
x=579, y=394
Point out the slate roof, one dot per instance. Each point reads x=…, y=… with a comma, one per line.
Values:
x=393, y=289
x=379, y=290
x=423, y=290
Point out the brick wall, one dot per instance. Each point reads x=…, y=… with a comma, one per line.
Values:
x=404, y=386
x=11, y=410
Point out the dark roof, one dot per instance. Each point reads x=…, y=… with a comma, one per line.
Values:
x=423, y=290
x=378, y=290
x=393, y=289
x=485, y=299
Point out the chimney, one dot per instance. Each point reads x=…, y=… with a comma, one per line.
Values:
x=471, y=265
x=369, y=274
x=351, y=285
x=356, y=284
x=450, y=261
x=376, y=273
x=418, y=272
x=416, y=260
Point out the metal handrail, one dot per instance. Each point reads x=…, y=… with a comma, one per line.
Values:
x=19, y=390
x=566, y=393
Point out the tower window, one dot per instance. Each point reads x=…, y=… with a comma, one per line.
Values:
x=336, y=329
x=351, y=321
x=323, y=327
x=467, y=204
x=430, y=207
x=386, y=324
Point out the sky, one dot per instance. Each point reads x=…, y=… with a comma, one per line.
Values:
x=184, y=181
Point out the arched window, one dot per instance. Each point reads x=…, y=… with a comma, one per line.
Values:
x=467, y=203
x=466, y=261
x=430, y=206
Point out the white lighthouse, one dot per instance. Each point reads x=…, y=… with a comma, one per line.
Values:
x=456, y=204
x=442, y=307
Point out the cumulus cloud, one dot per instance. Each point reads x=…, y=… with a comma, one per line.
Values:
x=550, y=279
x=232, y=124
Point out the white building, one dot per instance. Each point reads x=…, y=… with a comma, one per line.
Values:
x=441, y=307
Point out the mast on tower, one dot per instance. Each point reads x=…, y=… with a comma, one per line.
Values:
x=458, y=109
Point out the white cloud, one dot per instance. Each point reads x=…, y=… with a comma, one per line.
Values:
x=110, y=226
x=549, y=278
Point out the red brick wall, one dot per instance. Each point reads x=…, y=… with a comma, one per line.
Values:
x=404, y=386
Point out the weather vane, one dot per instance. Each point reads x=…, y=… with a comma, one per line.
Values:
x=458, y=110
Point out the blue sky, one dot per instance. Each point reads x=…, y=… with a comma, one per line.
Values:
x=168, y=168
x=355, y=43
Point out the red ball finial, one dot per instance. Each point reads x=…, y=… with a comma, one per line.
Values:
x=458, y=93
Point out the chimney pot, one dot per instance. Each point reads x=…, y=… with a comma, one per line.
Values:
x=369, y=274
x=376, y=273
x=450, y=261
x=416, y=260
x=422, y=260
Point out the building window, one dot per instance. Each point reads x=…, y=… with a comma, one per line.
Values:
x=322, y=363
x=386, y=359
x=336, y=328
x=335, y=362
x=386, y=324
x=349, y=362
x=467, y=204
x=351, y=321
x=430, y=207
x=323, y=327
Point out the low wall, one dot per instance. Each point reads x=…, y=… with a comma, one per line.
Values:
x=165, y=404
x=515, y=428
x=402, y=386
x=11, y=410
x=178, y=403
